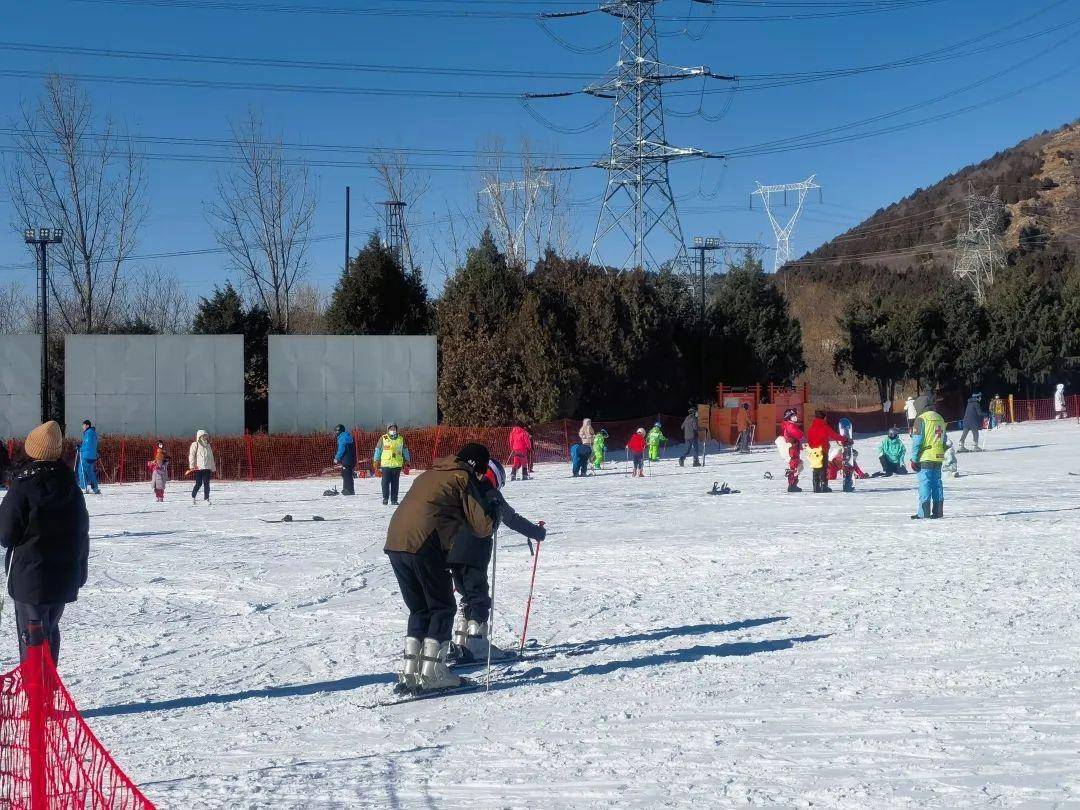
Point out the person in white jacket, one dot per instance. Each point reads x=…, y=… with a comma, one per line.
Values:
x=1059, y=401
x=202, y=465
x=910, y=412
x=587, y=434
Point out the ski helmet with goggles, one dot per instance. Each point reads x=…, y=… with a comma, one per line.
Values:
x=894, y=433
x=791, y=415
x=496, y=473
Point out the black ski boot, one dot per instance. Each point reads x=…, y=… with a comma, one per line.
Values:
x=938, y=510
x=697, y=463
x=793, y=488
x=924, y=511
x=682, y=462
x=849, y=487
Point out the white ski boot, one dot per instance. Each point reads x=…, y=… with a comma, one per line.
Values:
x=478, y=644
x=409, y=677
x=434, y=674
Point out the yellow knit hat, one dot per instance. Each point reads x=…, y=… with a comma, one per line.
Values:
x=45, y=442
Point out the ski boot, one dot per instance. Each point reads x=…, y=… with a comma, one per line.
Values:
x=459, y=651
x=478, y=644
x=434, y=673
x=682, y=461
x=977, y=449
x=697, y=463
x=793, y=486
x=409, y=677
x=937, y=510
x=849, y=486
x=924, y=511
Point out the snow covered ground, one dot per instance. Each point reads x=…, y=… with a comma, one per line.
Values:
x=762, y=649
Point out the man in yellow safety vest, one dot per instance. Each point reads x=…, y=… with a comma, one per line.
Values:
x=927, y=457
x=391, y=455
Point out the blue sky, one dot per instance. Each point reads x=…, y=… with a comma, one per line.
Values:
x=857, y=177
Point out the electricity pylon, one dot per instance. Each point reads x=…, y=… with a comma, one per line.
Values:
x=783, y=232
x=396, y=235
x=638, y=203
x=979, y=251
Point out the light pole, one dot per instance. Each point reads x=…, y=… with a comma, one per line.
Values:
x=41, y=239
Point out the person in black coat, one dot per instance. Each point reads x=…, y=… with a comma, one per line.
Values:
x=45, y=528
x=469, y=559
x=5, y=464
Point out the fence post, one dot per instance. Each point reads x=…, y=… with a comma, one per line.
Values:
x=123, y=451
x=250, y=455
x=33, y=669
x=566, y=438
x=1012, y=410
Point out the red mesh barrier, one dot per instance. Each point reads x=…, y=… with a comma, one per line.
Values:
x=1029, y=410
x=49, y=757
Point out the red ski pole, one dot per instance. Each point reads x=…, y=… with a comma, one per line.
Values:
x=528, y=604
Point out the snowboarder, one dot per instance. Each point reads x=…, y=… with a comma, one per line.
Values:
x=891, y=453
x=911, y=412
x=745, y=427
x=817, y=438
x=847, y=455
x=587, y=434
x=202, y=464
x=793, y=436
x=927, y=457
x=636, y=448
x=88, y=456
x=391, y=456
x=653, y=440
x=469, y=559
x=520, y=452
x=46, y=530
x=1059, y=405
x=599, y=449
x=441, y=503
x=579, y=459
x=997, y=411
x=346, y=457
x=159, y=471
x=691, y=429
x=973, y=419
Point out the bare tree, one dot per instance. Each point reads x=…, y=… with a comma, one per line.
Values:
x=157, y=299
x=402, y=183
x=74, y=170
x=262, y=217
x=16, y=311
x=308, y=309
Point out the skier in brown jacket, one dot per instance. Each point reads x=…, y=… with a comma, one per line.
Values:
x=440, y=504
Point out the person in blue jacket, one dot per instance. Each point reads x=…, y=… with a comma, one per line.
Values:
x=88, y=456
x=579, y=457
x=346, y=457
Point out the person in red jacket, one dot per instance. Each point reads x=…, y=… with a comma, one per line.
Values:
x=636, y=448
x=793, y=435
x=520, y=452
x=819, y=436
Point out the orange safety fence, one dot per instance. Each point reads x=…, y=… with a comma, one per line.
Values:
x=259, y=457
x=1030, y=410
x=49, y=757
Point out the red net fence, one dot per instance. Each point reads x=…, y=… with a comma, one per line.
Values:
x=259, y=457
x=49, y=757
x=1031, y=410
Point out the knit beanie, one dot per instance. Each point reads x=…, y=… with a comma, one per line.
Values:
x=45, y=442
x=475, y=455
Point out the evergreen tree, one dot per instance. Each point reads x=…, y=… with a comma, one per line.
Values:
x=375, y=296
x=220, y=314
x=875, y=336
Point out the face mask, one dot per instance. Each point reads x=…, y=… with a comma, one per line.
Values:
x=393, y=434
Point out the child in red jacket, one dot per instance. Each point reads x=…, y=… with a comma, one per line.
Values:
x=819, y=436
x=636, y=447
x=520, y=453
x=794, y=437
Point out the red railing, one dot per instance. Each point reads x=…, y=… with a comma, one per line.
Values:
x=259, y=457
x=49, y=757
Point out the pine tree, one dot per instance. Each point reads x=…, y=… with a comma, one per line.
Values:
x=220, y=314
x=375, y=296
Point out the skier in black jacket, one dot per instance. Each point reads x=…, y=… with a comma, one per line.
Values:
x=469, y=560
x=46, y=530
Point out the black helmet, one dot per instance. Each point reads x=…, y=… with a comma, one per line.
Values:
x=791, y=413
x=339, y=429
x=893, y=433
x=475, y=455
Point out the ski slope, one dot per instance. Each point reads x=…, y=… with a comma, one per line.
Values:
x=754, y=649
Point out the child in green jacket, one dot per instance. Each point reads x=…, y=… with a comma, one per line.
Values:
x=599, y=448
x=653, y=440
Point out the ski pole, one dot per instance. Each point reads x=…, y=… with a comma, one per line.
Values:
x=528, y=604
x=491, y=612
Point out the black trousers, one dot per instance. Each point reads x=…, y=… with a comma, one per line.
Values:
x=202, y=481
x=693, y=446
x=820, y=476
x=891, y=467
x=347, y=475
x=391, y=477
x=49, y=616
x=428, y=591
x=472, y=583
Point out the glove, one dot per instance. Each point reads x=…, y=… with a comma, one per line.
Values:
x=915, y=466
x=406, y=469
x=541, y=532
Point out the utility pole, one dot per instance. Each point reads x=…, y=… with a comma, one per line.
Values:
x=41, y=239
x=638, y=203
x=705, y=246
x=347, y=206
x=979, y=251
x=783, y=232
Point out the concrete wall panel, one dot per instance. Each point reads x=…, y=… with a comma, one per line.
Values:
x=362, y=381
x=20, y=384
x=157, y=385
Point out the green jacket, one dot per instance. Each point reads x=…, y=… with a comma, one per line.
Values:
x=599, y=445
x=893, y=449
x=656, y=435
